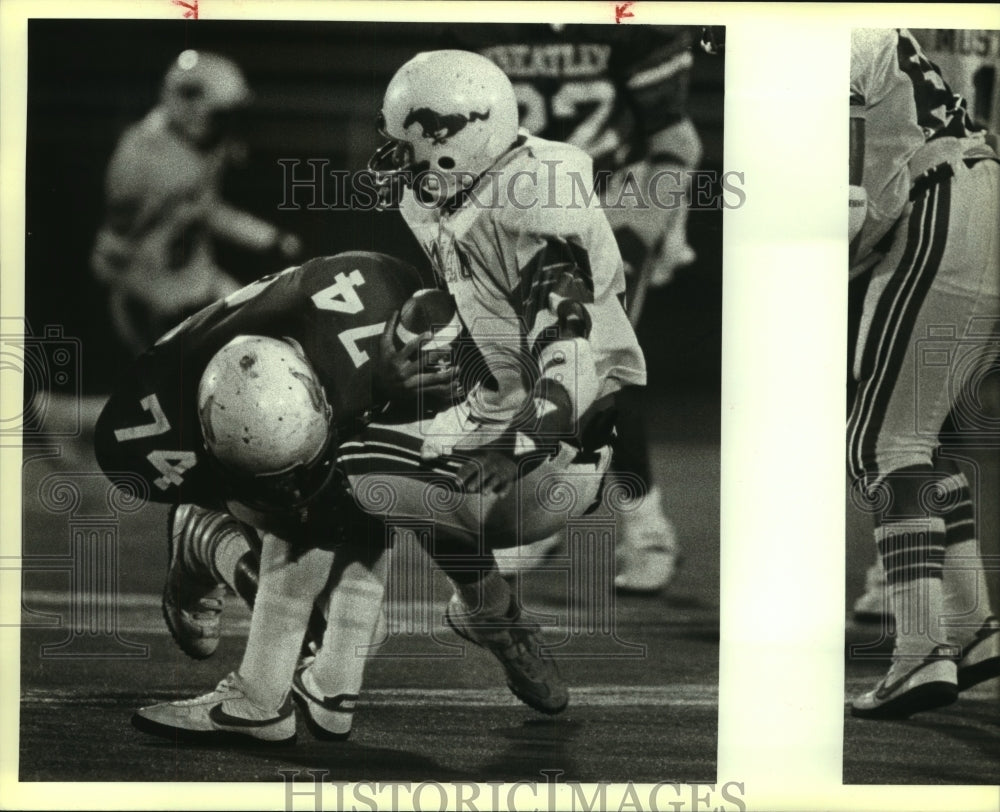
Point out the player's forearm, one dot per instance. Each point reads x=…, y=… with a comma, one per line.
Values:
x=677, y=145
x=243, y=228
x=567, y=384
x=567, y=388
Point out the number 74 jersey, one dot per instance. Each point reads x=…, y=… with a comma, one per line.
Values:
x=335, y=308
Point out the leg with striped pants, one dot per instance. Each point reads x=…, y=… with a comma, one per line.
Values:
x=929, y=329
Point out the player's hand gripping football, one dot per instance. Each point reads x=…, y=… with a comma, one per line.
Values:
x=488, y=471
x=402, y=375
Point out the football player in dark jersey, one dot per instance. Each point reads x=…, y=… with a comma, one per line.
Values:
x=236, y=417
x=619, y=93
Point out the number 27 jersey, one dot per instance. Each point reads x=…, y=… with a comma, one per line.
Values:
x=335, y=307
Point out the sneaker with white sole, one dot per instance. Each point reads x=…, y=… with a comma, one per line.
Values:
x=647, y=553
x=220, y=716
x=980, y=659
x=913, y=684
x=328, y=718
x=532, y=676
x=192, y=600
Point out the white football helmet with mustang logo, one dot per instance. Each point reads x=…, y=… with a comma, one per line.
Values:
x=449, y=115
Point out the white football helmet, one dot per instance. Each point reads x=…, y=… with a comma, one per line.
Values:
x=449, y=115
x=266, y=422
x=199, y=91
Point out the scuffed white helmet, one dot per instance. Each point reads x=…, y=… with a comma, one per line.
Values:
x=449, y=115
x=266, y=421
x=200, y=91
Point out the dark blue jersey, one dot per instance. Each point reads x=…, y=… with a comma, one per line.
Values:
x=334, y=307
x=602, y=88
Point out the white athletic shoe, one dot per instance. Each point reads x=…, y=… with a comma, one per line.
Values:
x=512, y=560
x=223, y=715
x=874, y=605
x=647, y=554
x=913, y=684
x=328, y=718
x=980, y=657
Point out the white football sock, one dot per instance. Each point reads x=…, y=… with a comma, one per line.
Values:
x=354, y=612
x=288, y=587
x=966, y=594
x=918, y=609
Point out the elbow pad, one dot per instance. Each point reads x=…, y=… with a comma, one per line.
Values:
x=568, y=386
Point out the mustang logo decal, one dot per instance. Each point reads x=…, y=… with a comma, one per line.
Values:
x=439, y=128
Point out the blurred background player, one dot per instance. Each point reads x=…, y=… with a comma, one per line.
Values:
x=970, y=61
x=163, y=205
x=930, y=188
x=619, y=93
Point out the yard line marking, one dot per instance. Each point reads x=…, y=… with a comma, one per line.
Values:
x=581, y=696
x=139, y=613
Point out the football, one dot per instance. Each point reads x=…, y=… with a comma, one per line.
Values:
x=430, y=310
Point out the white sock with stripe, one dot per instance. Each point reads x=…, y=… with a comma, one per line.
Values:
x=912, y=552
x=213, y=541
x=966, y=593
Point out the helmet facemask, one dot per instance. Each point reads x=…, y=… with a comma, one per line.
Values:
x=394, y=167
x=284, y=491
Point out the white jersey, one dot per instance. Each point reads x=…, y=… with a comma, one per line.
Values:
x=495, y=251
x=906, y=105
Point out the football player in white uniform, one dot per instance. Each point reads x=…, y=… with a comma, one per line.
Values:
x=511, y=226
x=154, y=251
x=930, y=188
x=619, y=93
x=970, y=61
